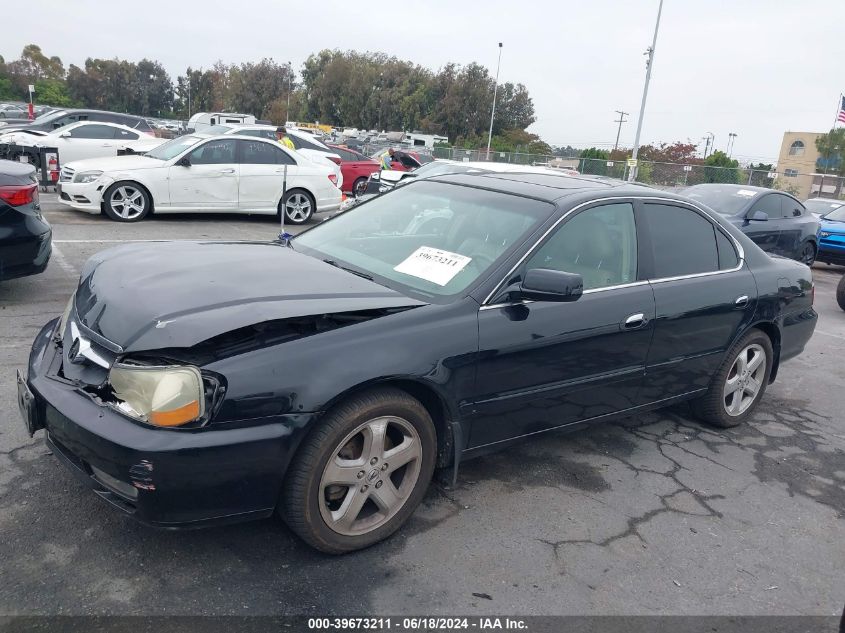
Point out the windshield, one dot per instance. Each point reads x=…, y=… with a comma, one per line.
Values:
x=837, y=215
x=821, y=206
x=723, y=200
x=173, y=148
x=429, y=239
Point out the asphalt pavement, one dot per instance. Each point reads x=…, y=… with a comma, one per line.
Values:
x=653, y=514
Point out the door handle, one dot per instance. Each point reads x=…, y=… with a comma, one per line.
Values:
x=741, y=301
x=227, y=171
x=635, y=321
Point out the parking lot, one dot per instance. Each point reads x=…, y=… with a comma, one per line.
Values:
x=653, y=514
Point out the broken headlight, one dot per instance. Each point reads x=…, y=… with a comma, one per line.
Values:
x=162, y=396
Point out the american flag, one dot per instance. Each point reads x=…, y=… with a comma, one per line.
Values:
x=841, y=116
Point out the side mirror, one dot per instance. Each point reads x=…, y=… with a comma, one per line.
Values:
x=758, y=216
x=64, y=135
x=184, y=162
x=544, y=284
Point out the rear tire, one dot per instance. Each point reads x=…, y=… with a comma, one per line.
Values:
x=840, y=292
x=738, y=384
x=807, y=254
x=361, y=472
x=360, y=187
x=298, y=206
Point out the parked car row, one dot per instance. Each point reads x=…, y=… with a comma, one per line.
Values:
x=58, y=118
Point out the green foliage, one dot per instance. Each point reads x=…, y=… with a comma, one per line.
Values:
x=54, y=92
x=719, y=167
x=831, y=148
x=594, y=161
x=760, y=174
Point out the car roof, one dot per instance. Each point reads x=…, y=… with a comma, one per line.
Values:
x=549, y=187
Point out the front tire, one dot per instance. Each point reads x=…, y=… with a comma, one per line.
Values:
x=359, y=188
x=127, y=202
x=298, y=206
x=739, y=383
x=840, y=292
x=361, y=473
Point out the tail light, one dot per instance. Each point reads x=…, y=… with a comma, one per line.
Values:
x=335, y=160
x=19, y=195
x=333, y=178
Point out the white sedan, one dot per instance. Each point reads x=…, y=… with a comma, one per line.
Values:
x=87, y=139
x=202, y=174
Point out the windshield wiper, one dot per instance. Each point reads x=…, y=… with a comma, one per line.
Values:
x=332, y=262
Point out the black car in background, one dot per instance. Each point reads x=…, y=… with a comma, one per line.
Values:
x=775, y=221
x=59, y=118
x=440, y=321
x=25, y=245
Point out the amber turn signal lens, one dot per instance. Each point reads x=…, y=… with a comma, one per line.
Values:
x=190, y=411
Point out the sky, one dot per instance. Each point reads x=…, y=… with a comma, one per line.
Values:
x=756, y=68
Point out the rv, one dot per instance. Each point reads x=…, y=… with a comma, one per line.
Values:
x=201, y=121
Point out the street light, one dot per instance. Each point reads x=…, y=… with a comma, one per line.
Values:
x=632, y=176
x=495, y=92
x=731, y=140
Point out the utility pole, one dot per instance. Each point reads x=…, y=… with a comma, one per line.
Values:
x=632, y=175
x=620, y=121
x=287, y=111
x=495, y=92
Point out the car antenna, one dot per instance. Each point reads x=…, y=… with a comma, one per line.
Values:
x=284, y=236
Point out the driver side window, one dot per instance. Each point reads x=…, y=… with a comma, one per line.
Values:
x=599, y=243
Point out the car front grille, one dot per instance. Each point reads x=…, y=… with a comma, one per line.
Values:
x=66, y=174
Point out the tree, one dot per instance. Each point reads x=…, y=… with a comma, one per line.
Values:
x=719, y=167
x=594, y=161
x=831, y=147
x=760, y=174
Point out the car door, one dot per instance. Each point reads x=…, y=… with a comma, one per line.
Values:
x=86, y=141
x=262, y=169
x=703, y=293
x=542, y=364
x=794, y=223
x=209, y=180
x=765, y=233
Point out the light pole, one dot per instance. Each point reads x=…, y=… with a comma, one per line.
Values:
x=632, y=175
x=189, y=95
x=731, y=140
x=495, y=92
x=287, y=111
x=620, y=121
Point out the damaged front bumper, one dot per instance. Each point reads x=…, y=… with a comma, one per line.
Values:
x=162, y=477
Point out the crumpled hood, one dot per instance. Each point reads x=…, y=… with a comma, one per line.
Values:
x=177, y=294
x=116, y=163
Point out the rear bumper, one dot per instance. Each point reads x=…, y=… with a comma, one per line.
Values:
x=161, y=477
x=28, y=257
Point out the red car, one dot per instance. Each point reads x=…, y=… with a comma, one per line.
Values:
x=356, y=168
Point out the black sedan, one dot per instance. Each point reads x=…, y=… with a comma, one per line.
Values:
x=325, y=378
x=25, y=236
x=775, y=221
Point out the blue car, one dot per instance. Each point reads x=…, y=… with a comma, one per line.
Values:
x=832, y=237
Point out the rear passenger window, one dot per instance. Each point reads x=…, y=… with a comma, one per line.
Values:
x=770, y=205
x=683, y=242
x=727, y=253
x=790, y=208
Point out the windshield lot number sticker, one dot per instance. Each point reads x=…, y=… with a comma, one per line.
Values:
x=433, y=265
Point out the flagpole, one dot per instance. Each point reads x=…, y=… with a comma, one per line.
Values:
x=838, y=108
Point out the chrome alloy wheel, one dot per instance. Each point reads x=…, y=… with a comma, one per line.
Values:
x=370, y=475
x=745, y=379
x=298, y=207
x=127, y=202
